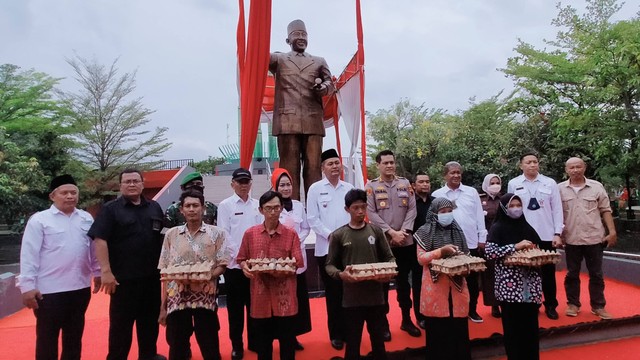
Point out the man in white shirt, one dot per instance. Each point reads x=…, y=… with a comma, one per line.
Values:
x=236, y=214
x=542, y=207
x=325, y=213
x=57, y=261
x=469, y=215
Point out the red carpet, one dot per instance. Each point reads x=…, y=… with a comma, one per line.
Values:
x=17, y=332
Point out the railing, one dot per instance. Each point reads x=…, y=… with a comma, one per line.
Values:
x=175, y=164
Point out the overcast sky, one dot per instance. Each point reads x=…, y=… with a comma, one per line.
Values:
x=437, y=52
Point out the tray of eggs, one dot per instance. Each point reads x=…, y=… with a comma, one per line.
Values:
x=272, y=265
x=199, y=271
x=381, y=271
x=532, y=257
x=459, y=264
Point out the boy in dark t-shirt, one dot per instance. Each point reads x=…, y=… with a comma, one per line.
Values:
x=360, y=243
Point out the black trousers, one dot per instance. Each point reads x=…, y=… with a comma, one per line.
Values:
x=592, y=255
x=548, y=275
x=521, y=334
x=333, y=298
x=276, y=327
x=204, y=323
x=239, y=299
x=302, y=323
x=409, y=280
x=473, y=284
x=63, y=311
x=447, y=338
x=375, y=317
x=135, y=301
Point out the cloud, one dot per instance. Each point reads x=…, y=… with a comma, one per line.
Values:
x=439, y=52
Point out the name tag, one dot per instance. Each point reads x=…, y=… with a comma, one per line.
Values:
x=239, y=213
x=325, y=193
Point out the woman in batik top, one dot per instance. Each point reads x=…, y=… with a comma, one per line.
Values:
x=518, y=288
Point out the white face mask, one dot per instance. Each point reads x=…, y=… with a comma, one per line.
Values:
x=445, y=219
x=514, y=212
x=494, y=189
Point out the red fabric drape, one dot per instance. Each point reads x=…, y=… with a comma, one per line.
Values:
x=253, y=64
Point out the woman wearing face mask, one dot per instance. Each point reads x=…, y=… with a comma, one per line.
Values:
x=490, y=200
x=444, y=300
x=518, y=288
x=294, y=216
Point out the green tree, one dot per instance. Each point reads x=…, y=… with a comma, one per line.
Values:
x=34, y=117
x=585, y=87
x=412, y=132
x=111, y=126
x=20, y=177
x=425, y=139
x=208, y=166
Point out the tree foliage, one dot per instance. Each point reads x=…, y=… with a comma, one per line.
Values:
x=208, y=166
x=424, y=139
x=586, y=87
x=20, y=177
x=34, y=118
x=111, y=126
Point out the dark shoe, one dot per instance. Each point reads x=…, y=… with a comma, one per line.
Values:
x=386, y=335
x=473, y=316
x=336, y=344
x=495, y=312
x=237, y=354
x=299, y=346
x=422, y=324
x=551, y=313
x=410, y=328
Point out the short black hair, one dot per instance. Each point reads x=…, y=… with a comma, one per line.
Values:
x=529, y=153
x=130, y=171
x=192, y=193
x=384, y=153
x=419, y=173
x=449, y=165
x=268, y=196
x=354, y=195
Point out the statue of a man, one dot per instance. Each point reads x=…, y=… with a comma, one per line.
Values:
x=301, y=82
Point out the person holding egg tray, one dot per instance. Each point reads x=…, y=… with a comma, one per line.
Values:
x=189, y=299
x=274, y=303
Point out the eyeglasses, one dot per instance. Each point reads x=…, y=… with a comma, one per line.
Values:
x=271, y=209
x=131, y=182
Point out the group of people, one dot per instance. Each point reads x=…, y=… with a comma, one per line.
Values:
x=131, y=239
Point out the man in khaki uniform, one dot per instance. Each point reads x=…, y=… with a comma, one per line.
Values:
x=301, y=82
x=585, y=204
x=391, y=205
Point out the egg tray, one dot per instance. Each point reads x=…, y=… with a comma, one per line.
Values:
x=272, y=265
x=200, y=271
x=532, y=257
x=374, y=271
x=459, y=264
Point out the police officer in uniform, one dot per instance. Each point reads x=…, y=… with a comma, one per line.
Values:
x=391, y=205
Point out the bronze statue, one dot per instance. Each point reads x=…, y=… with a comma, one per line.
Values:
x=301, y=82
